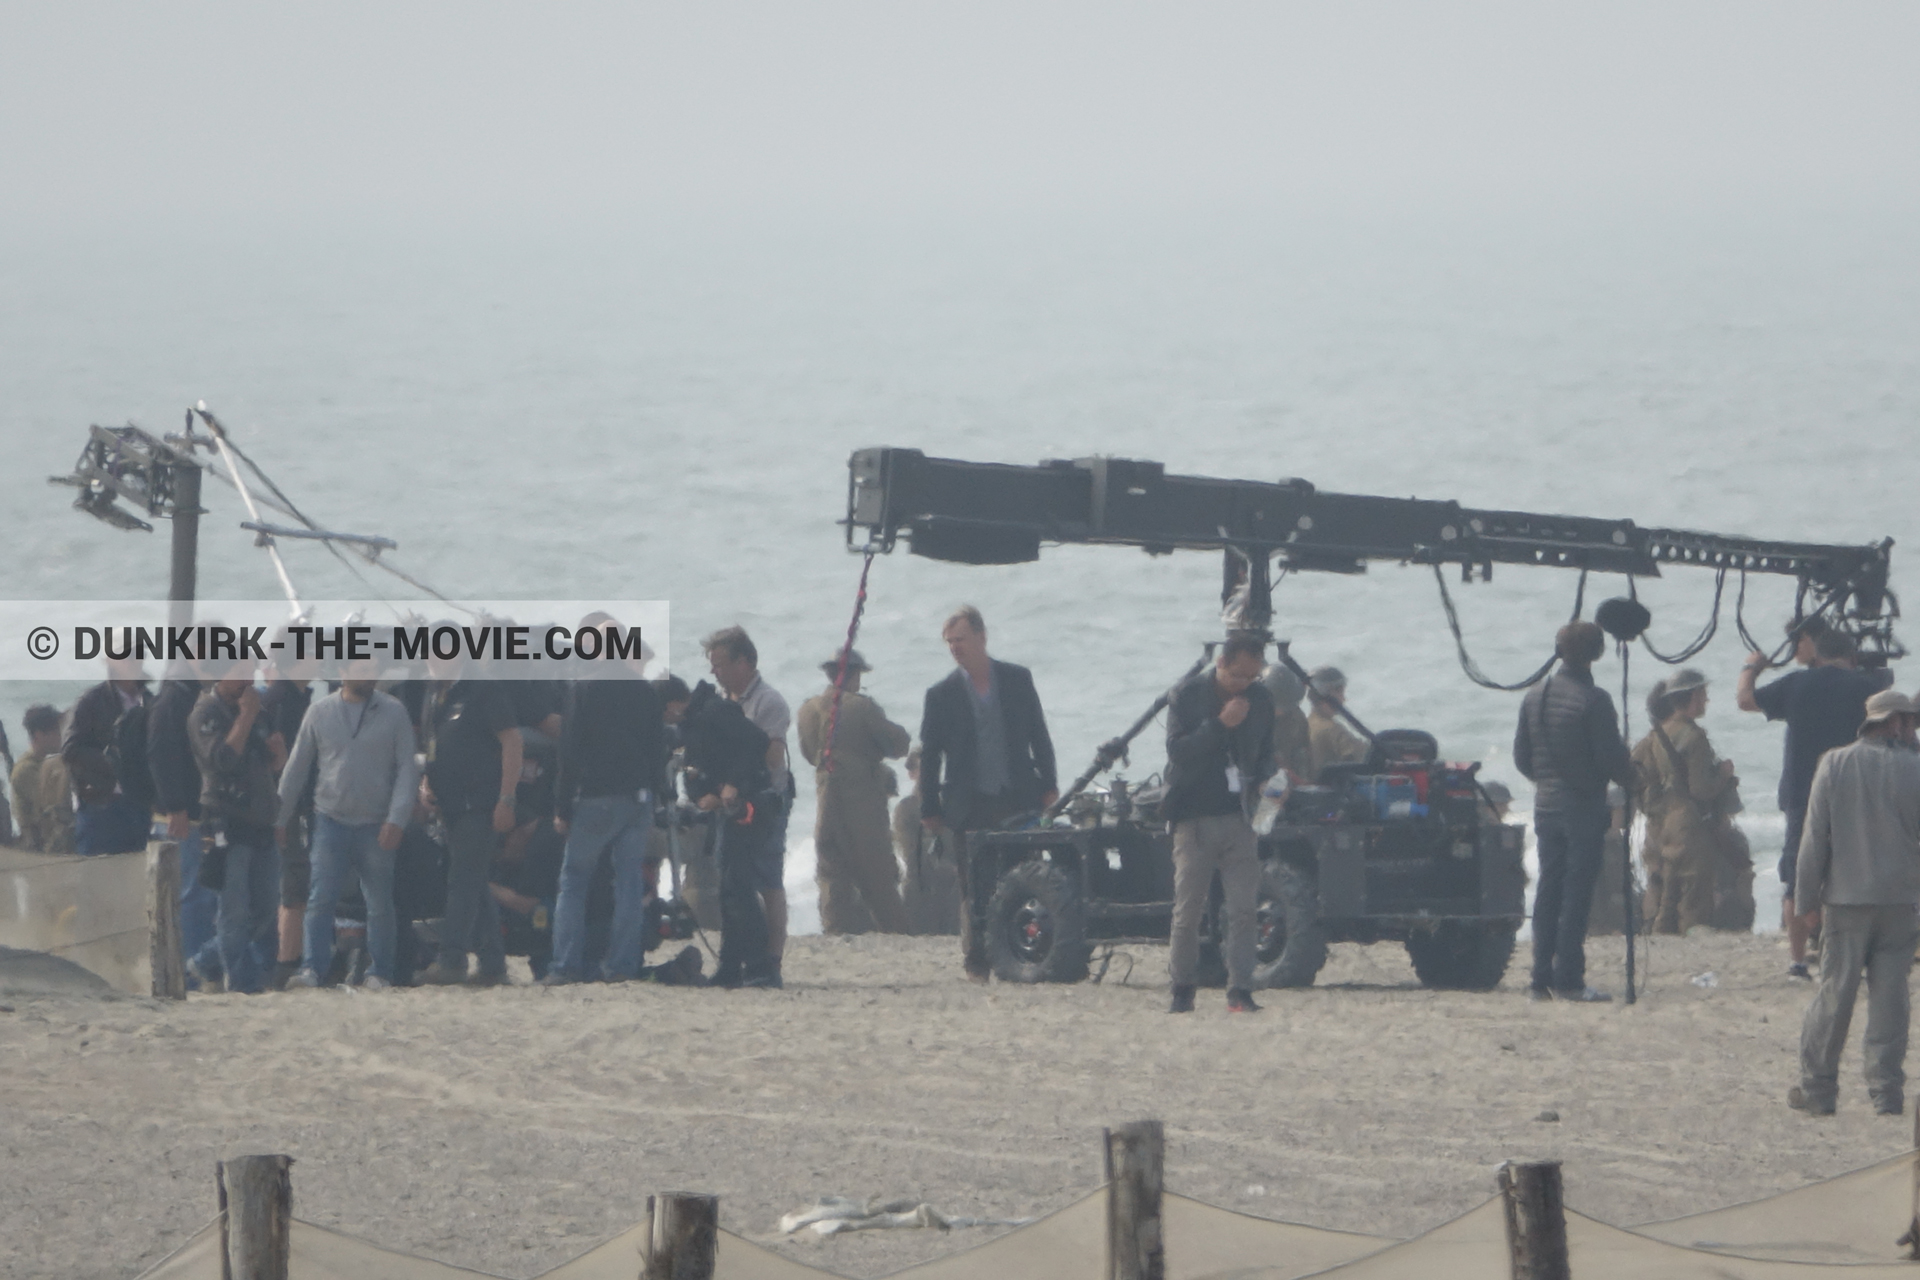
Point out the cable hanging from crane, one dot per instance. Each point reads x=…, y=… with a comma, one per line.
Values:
x=1707, y=633
x=1472, y=668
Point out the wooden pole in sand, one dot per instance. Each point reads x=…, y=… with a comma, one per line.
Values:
x=163, y=921
x=1536, y=1220
x=1912, y=1238
x=256, y=1217
x=684, y=1237
x=1136, y=1156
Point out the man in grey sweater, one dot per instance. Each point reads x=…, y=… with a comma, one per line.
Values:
x=360, y=741
x=1860, y=866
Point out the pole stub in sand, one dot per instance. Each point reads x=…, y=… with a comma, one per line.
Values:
x=169, y=973
x=684, y=1236
x=256, y=1217
x=1536, y=1220
x=1136, y=1157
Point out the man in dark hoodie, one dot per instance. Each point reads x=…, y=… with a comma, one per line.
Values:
x=612, y=763
x=1219, y=754
x=105, y=755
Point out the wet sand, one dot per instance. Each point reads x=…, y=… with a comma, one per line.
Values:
x=509, y=1130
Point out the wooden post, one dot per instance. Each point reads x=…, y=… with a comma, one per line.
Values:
x=1136, y=1156
x=684, y=1237
x=256, y=1217
x=1912, y=1238
x=1536, y=1220
x=163, y=921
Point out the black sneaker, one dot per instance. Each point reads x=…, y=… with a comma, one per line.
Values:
x=1240, y=1000
x=1889, y=1106
x=1798, y=1099
x=283, y=971
x=1798, y=969
x=1182, y=1000
x=727, y=979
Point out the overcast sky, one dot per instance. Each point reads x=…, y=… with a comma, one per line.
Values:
x=583, y=110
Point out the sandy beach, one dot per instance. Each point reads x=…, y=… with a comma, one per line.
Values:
x=509, y=1130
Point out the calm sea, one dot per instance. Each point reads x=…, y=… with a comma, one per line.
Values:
x=666, y=413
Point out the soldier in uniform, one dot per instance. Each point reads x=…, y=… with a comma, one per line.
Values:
x=1292, y=737
x=931, y=891
x=41, y=823
x=1695, y=783
x=1652, y=799
x=1330, y=740
x=850, y=838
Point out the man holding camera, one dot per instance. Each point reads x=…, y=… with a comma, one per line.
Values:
x=1219, y=755
x=239, y=803
x=727, y=776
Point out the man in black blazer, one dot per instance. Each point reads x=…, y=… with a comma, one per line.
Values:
x=984, y=757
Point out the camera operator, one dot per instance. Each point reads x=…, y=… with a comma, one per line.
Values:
x=1219, y=754
x=239, y=803
x=727, y=776
x=1823, y=706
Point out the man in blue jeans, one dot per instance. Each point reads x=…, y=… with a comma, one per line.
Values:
x=356, y=746
x=238, y=804
x=611, y=763
x=1568, y=744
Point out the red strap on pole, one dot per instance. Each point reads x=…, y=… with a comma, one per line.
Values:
x=840, y=673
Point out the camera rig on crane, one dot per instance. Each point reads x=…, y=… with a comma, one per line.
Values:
x=1439, y=872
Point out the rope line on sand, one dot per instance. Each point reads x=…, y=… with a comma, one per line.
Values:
x=846, y=654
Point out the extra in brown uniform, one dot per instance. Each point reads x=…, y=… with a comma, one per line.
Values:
x=851, y=839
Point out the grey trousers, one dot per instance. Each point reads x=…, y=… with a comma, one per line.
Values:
x=1202, y=846
x=1880, y=942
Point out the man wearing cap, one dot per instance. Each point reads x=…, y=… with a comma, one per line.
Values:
x=1329, y=741
x=1859, y=876
x=852, y=844
x=1822, y=706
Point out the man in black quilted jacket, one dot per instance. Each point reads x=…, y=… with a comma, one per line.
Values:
x=1568, y=744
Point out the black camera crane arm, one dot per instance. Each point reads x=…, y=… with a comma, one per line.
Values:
x=995, y=513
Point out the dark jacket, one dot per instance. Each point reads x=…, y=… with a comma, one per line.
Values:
x=612, y=742
x=236, y=786
x=724, y=748
x=1200, y=748
x=1568, y=744
x=103, y=738
x=949, y=745
x=176, y=778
